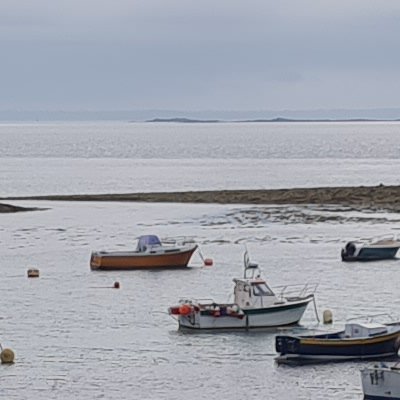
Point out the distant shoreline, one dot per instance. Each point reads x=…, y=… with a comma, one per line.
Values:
x=273, y=120
x=362, y=197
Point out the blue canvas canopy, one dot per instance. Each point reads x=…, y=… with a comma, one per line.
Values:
x=146, y=241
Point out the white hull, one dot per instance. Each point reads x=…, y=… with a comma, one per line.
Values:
x=380, y=383
x=252, y=319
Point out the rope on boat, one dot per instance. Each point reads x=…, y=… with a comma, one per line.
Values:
x=315, y=309
x=208, y=262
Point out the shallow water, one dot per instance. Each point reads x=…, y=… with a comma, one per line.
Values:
x=74, y=336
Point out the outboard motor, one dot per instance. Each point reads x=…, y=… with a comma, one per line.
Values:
x=350, y=248
x=348, y=251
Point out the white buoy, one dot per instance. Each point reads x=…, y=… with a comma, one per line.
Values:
x=327, y=317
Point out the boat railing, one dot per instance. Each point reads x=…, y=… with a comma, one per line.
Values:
x=186, y=300
x=178, y=241
x=370, y=317
x=299, y=290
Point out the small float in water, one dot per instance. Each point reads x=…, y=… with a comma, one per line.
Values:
x=358, y=341
x=381, y=382
x=150, y=253
x=255, y=305
x=379, y=249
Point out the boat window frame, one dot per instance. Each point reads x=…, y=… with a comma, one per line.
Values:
x=261, y=293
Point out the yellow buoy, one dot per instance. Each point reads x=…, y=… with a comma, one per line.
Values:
x=327, y=317
x=33, y=273
x=7, y=356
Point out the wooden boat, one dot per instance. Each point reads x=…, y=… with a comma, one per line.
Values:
x=356, y=341
x=381, y=249
x=255, y=306
x=149, y=254
x=381, y=382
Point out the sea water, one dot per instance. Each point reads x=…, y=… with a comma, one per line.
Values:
x=68, y=158
x=75, y=336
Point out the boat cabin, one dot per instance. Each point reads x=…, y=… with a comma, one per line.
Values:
x=253, y=293
x=361, y=330
x=147, y=242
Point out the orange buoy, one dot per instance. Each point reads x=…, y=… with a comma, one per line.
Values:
x=185, y=309
x=208, y=262
x=116, y=285
x=33, y=273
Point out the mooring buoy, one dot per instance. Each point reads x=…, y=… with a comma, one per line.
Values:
x=7, y=356
x=327, y=317
x=208, y=262
x=33, y=273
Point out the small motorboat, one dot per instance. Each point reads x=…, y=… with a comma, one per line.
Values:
x=381, y=382
x=380, y=249
x=357, y=341
x=255, y=305
x=150, y=253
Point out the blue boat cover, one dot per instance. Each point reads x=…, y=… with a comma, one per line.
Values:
x=148, y=240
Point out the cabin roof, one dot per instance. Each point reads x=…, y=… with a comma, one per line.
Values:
x=148, y=240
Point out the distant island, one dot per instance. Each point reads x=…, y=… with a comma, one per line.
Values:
x=278, y=119
x=202, y=116
x=184, y=120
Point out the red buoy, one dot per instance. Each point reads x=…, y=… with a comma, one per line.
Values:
x=208, y=262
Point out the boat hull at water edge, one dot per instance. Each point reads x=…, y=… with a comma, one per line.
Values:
x=384, y=249
x=380, y=383
x=279, y=315
x=299, y=349
x=372, y=254
x=178, y=258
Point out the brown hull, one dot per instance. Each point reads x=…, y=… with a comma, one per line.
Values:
x=115, y=261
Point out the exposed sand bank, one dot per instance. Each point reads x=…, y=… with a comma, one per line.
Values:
x=8, y=208
x=362, y=197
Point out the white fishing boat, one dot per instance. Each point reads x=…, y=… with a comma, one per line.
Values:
x=255, y=305
x=381, y=382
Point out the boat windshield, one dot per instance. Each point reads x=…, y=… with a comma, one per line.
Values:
x=261, y=289
x=148, y=241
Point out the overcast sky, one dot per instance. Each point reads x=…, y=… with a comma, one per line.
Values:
x=204, y=55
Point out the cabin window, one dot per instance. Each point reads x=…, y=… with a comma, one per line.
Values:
x=261, y=289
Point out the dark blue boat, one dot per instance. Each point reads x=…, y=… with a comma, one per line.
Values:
x=383, y=249
x=356, y=341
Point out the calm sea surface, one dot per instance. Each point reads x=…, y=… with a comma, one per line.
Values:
x=133, y=157
x=75, y=337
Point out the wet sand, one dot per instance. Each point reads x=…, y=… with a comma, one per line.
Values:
x=8, y=208
x=362, y=197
